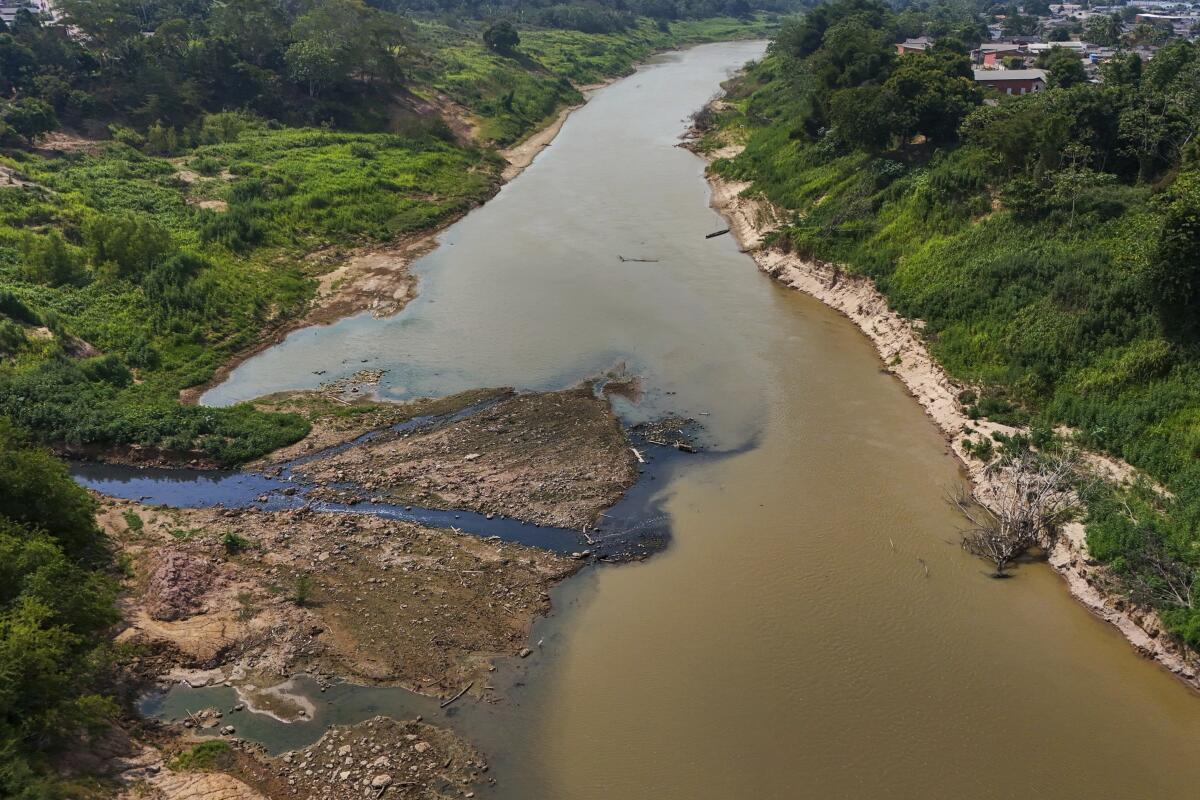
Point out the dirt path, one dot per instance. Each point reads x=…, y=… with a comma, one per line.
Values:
x=900, y=345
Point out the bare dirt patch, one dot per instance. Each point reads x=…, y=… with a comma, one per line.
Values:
x=64, y=142
x=556, y=458
x=336, y=420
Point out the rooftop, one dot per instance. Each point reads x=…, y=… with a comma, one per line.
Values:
x=1010, y=74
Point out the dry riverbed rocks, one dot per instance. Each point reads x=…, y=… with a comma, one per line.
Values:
x=362, y=597
x=340, y=411
x=252, y=597
x=556, y=458
x=377, y=758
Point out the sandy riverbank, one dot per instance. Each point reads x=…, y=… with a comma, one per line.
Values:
x=901, y=347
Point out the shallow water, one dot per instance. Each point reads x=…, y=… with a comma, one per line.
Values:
x=814, y=631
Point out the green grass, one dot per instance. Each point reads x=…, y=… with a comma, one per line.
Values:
x=513, y=96
x=202, y=757
x=292, y=191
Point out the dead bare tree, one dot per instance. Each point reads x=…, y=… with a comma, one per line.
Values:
x=1156, y=578
x=705, y=118
x=1019, y=504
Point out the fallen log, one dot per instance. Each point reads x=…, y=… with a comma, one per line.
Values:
x=461, y=692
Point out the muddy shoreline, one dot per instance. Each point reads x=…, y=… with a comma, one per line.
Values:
x=376, y=278
x=899, y=344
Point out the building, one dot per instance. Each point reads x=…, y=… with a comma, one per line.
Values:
x=917, y=45
x=9, y=9
x=1037, y=48
x=992, y=54
x=1012, y=81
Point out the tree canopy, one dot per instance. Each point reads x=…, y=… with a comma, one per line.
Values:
x=56, y=603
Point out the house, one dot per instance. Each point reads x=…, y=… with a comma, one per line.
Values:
x=917, y=45
x=1037, y=48
x=9, y=9
x=1012, y=81
x=1156, y=18
x=992, y=54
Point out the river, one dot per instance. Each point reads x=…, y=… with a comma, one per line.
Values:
x=814, y=630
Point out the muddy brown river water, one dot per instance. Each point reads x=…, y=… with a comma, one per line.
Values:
x=789, y=643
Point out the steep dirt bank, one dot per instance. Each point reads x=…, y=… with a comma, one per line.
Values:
x=901, y=347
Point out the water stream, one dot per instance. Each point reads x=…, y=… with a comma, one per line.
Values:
x=813, y=631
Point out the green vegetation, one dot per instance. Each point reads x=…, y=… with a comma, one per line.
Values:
x=56, y=604
x=133, y=269
x=302, y=589
x=133, y=521
x=1049, y=242
x=206, y=152
x=234, y=544
x=203, y=756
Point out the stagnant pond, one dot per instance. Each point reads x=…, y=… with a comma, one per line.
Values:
x=789, y=643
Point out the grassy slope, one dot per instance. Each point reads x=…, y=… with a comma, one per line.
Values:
x=511, y=97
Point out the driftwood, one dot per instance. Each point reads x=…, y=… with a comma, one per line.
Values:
x=1020, y=503
x=715, y=234
x=461, y=692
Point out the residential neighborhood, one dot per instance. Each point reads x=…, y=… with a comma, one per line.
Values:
x=1021, y=41
x=9, y=9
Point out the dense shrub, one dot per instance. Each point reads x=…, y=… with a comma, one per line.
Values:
x=56, y=603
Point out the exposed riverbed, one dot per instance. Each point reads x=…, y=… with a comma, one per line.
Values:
x=813, y=630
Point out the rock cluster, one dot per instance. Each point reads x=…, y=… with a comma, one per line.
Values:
x=377, y=758
x=177, y=586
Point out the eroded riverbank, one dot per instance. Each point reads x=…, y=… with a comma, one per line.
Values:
x=900, y=346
